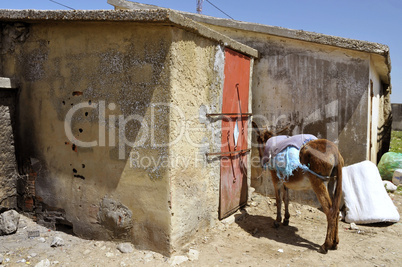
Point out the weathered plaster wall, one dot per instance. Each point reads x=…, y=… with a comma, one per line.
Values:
x=109, y=78
x=197, y=85
x=8, y=163
x=381, y=115
x=375, y=90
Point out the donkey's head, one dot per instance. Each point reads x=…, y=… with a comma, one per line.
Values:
x=263, y=134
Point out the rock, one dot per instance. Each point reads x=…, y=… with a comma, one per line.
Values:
x=193, y=254
x=148, y=257
x=42, y=239
x=353, y=226
x=125, y=247
x=389, y=186
x=9, y=222
x=43, y=263
x=251, y=190
x=177, y=260
x=86, y=252
x=57, y=242
x=229, y=220
x=109, y=254
x=33, y=255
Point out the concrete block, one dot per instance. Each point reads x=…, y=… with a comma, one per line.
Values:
x=7, y=83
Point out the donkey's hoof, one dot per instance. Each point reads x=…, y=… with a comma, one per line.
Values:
x=334, y=247
x=323, y=250
x=286, y=222
x=276, y=224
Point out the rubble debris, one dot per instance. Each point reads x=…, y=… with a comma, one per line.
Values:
x=353, y=226
x=125, y=247
x=43, y=263
x=9, y=222
x=57, y=242
x=390, y=187
x=177, y=260
x=193, y=254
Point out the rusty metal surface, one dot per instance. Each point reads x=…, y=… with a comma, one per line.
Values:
x=229, y=114
x=228, y=152
x=233, y=187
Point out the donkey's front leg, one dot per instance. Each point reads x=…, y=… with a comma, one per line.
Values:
x=286, y=201
x=278, y=188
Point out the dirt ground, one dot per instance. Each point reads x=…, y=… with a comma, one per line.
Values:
x=245, y=239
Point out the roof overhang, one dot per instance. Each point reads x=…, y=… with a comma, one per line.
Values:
x=162, y=16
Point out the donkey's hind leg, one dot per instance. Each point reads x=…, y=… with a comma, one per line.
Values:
x=326, y=203
x=286, y=201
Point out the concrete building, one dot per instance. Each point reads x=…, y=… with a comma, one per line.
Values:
x=117, y=118
x=335, y=88
x=135, y=125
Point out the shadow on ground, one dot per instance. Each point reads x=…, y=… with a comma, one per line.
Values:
x=262, y=227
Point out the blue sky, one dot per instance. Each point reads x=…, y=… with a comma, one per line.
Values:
x=367, y=20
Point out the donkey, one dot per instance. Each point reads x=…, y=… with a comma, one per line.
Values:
x=324, y=165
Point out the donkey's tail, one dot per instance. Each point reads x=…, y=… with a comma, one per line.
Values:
x=338, y=189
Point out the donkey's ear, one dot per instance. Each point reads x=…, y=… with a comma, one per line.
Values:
x=266, y=135
x=255, y=125
x=256, y=129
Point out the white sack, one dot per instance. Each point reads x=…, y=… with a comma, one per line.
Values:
x=365, y=197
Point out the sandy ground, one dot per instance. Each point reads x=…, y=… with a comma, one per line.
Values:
x=246, y=239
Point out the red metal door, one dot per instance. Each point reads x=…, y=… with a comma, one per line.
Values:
x=233, y=185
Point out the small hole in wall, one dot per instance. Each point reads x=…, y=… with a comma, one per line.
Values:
x=77, y=93
x=79, y=176
x=64, y=102
x=86, y=113
x=83, y=166
x=74, y=171
x=74, y=147
x=90, y=102
x=81, y=130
